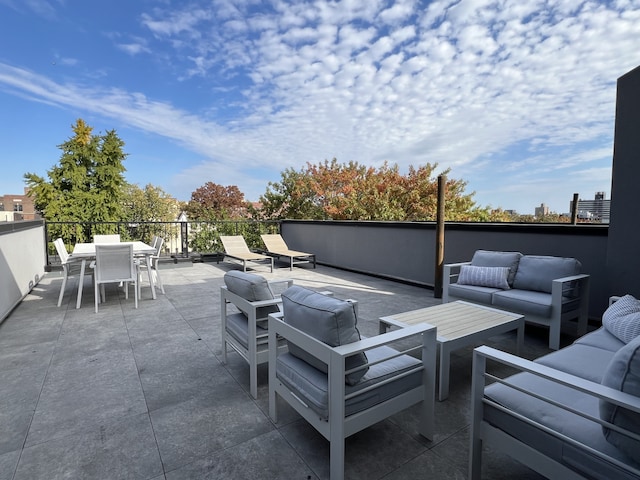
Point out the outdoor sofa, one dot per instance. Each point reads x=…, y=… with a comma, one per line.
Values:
x=574, y=413
x=546, y=290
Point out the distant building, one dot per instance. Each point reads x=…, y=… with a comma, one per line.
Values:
x=17, y=207
x=541, y=211
x=596, y=210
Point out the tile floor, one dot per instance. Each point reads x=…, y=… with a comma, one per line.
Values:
x=142, y=394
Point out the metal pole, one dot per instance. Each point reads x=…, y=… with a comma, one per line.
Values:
x=439, y=263
x=574, y=209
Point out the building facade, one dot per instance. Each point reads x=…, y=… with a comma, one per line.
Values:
x=16, y=207
x=597, y=210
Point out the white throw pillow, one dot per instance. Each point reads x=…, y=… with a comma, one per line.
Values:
x=622, y=318
x=495, y=277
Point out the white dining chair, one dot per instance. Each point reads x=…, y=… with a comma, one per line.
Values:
x=152, y=264
x=111, y=238
x=70, y=266
x=115, y=264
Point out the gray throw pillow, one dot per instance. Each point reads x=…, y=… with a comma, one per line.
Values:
x=495, y=277
x=622, y=318
x=623, y=373
x=252, y=288
x=488, y=258
x=325, y=318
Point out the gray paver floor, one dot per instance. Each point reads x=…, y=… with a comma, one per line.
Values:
x=142, y=394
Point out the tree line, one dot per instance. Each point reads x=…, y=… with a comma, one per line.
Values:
x=88, y=185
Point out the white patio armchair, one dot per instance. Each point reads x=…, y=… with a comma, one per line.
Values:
x=245, y=329
x=342, y=384
x=115, y=264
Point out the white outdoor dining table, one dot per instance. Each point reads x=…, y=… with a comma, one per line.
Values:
x=87, y=251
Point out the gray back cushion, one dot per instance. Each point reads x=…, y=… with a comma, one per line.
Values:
x=623, y=374
x=536, y=272
x=488, y=258
x=325, y=318
x=252, y=288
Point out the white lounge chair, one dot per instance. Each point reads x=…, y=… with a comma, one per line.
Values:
x=277, y=247
x=235, y=247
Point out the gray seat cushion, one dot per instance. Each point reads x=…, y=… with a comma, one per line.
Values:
x=536, y=272
x=472, y=293
x=311, y=384
x=237, y=325
x=601, y=338
x=524, y=302
x=488, y=258
x=325, y=318
x=584, y=361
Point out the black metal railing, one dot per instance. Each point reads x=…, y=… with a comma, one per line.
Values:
x=181, y=239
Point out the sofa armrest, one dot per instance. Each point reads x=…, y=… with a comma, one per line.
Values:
x=576, y=287
x=450, y=274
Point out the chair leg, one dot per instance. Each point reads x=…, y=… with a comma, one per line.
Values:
x=64, y=285
x=158, y=279
x=96, y=289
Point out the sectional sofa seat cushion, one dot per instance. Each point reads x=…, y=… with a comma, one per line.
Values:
x=582, y=360
x=623, y=373
x=493, y=277
x=311, y=384
x=252, y=288
x=537, y=272
x=622, y=318
x=325, y=318
x=602, y=339
x=559, y=420
x=488, y=258
x=473, y=293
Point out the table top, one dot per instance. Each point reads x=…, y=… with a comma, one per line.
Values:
x=89, y=249
x=454, y=320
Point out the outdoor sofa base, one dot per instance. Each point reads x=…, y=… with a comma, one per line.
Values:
x=548, y=416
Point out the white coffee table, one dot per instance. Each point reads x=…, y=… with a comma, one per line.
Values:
x=459, y=324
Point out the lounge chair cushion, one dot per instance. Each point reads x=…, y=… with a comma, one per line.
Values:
x=622, y=318
x=252, y=288
x=487, y=258
x=623, y=374
x=537, y=272
x=311, y=384
x=237, y=325
x=493, y=277
x=325, y=318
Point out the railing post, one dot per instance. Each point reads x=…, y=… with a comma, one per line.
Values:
x=439, y=263
x=184, y=234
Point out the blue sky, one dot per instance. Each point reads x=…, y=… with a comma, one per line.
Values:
x=517, y=98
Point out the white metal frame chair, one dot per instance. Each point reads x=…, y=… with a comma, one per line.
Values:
x=153, y=264
x=70, y=266
x=244, y=332
x=111, y=238
x=115, y=264
x=345, y=413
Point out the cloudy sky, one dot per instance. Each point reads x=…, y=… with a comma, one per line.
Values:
x=515, y=97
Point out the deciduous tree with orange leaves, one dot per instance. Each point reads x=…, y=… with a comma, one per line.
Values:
x=352, y=191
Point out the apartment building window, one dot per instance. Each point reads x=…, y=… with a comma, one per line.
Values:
x=17, y=207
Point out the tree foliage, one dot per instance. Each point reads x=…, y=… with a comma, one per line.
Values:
x=86, y=186
x=351, y=191
x=213, y=202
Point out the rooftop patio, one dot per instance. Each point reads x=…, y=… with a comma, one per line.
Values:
x=142, y=394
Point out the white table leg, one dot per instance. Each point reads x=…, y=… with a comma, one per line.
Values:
x=81, y=282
